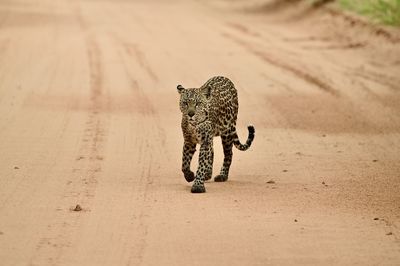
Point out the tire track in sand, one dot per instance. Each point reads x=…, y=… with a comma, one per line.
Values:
x=309, y=78
x=80, y=188
x=142, y=104
x=133, y=50
x=148, y=146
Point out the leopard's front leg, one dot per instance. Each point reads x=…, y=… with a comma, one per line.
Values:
x=206, y=157
x=187, y=155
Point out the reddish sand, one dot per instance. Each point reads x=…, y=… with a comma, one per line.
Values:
x=89, y=116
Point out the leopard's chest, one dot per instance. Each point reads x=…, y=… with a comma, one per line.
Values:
x=192, y=133
x=195, y=133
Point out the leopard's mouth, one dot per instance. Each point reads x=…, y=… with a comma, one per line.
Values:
x=193, y=121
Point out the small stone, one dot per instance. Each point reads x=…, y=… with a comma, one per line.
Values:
x=295, y=220
x=78, y=208
x=389, y=234
x=271, y=182
x=376, y=219
x=285, y=171
x=16, y=167
x=323, y=135
x=374, y=161
x=323, y=183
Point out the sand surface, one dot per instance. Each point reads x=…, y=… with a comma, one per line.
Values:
x=89, y=116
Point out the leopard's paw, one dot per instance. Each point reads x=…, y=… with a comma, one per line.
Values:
x=220, y=178
x=196, y=188
x=189, y=176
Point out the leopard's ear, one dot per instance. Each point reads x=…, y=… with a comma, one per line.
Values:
x=180, y=88
x=206, y=91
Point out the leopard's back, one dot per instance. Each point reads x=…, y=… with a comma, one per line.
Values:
x=223, y=105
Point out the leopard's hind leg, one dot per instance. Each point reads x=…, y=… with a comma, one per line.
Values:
x=227, y=144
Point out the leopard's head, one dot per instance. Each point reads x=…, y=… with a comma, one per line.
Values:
x=194, y=104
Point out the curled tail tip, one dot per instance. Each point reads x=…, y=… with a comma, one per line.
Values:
x=251, y=129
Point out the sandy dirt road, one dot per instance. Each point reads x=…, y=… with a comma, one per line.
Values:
x=89, y=115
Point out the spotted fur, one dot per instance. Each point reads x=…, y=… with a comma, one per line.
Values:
x=207, y=112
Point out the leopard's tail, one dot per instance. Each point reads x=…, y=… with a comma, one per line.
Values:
x=249, y=140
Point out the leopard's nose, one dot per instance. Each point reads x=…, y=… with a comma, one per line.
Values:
x=191, y=113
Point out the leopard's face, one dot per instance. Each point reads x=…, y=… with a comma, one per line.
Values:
x=194, y=105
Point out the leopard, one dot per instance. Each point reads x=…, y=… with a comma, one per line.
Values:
x=210, y=111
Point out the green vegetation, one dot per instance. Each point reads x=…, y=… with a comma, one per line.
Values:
x=383, y=11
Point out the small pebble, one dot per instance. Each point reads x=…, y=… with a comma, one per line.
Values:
x=271, y=182
x=389, y=234
x=295, y=220
x=16, y=167
x=376, y=219
x=78, y=208
x=374, y=161
x=285, y=170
